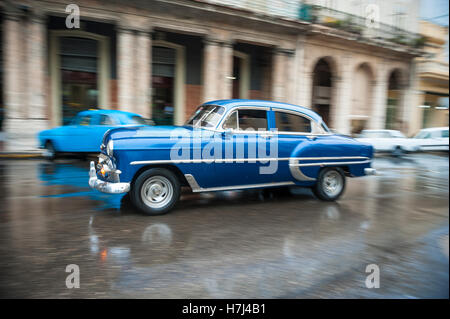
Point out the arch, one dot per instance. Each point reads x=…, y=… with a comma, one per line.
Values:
x=103, y=69
x=180, y=78
x=324, y=75
x=362, y=97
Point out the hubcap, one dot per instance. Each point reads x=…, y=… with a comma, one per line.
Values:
x=332, y=183
x=49, y=152
x=157, y=192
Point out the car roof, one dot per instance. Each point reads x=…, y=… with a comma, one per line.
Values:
x=375, y=131
x=430, y=129
x=231, y=103
x=107, y=112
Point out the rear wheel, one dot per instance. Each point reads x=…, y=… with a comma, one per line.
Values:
x=49, y=151
x=330, y=184
x=155, y=191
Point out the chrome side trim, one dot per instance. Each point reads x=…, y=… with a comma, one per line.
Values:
x=297, y=173
x=241, y=160
x=329, y=163
x=197, y=189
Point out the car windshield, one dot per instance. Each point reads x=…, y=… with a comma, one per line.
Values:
x=422, y=134
x=206, y=116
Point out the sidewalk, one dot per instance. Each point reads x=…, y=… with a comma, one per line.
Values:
x=20, y=152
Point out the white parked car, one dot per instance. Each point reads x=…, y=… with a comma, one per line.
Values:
x=432, y=139
x=391, y=141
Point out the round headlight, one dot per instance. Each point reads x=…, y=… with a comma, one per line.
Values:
x=110, y=148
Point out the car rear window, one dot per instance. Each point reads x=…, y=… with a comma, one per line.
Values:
x=287, y=122
x=137, y=120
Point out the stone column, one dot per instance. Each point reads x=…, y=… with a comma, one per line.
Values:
x=36, y=66
x=340, y=114
x=225, y=78
x=301, y=82
x=290, y=75
x=411, y=100
x=143, y=73
x=378, y=117
x=125, y=62
x=12, y=64
x=278, y=75
x=211, y=69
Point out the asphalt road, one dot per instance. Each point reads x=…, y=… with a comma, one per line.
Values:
x=240, y=244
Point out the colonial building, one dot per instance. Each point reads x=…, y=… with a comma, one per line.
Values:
x=163, y=58
x=432, y=75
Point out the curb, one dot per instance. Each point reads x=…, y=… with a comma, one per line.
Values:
x=20, y=155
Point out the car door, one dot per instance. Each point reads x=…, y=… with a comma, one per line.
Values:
x=246, y=134
x=76, y=134
x=294, y=131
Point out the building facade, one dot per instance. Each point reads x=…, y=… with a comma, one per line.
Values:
x=433, y=79
x=163, y=58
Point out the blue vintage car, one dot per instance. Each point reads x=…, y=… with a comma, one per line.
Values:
x=85, y=133
x=227, y=145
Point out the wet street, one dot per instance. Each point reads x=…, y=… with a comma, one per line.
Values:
x=240, y=244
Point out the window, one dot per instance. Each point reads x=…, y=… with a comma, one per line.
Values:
x=286, y=122
x=423, y=134
x=106, y=120
x=206, y=116
x=252, y=119
x=444, y=133
x=137, y=120
x=231, y=122
x=85, y=120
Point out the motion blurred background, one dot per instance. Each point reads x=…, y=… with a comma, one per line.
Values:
x=362, y=64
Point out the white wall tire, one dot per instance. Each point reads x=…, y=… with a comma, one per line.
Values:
x=330, y=184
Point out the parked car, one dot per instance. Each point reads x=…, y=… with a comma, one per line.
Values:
x=391, y=141
x=152, y=163
x=432, y=139
x=85, y=133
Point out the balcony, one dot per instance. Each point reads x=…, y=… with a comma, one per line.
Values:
x=433, y=69
x=341, y=21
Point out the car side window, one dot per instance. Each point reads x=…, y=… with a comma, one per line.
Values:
x=85, y=120
x=444, y=133
x=231, y=122
x=287, y=122
x=106, y=120
x=252, y=119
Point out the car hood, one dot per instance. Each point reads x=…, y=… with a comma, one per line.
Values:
x=147, y=132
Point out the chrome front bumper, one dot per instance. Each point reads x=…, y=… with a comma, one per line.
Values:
x=370, y=171
x=105, y=187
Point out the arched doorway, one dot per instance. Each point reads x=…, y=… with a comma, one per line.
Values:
x=362, y=97
x=168, y=78
x=322, y=92
x=393, y=107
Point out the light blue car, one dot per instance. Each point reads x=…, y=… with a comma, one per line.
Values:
x=85, y=133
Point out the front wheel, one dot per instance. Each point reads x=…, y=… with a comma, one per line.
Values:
x=330, y=184
x=155, y=191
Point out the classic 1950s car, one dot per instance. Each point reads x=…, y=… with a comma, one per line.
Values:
x=227, y=145
x=84, y=134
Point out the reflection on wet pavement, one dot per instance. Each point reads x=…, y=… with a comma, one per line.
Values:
x=271, y=243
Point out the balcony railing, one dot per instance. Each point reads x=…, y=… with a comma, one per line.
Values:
x=296, y=10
